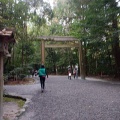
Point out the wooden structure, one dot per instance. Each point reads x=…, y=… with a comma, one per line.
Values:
x=6, y=37
x=66, y=42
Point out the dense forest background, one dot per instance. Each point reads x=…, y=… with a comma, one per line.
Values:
x=96, y=23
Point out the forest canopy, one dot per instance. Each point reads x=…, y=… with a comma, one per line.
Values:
x=96, y=23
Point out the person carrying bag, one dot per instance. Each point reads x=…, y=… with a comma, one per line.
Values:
x=42, y=74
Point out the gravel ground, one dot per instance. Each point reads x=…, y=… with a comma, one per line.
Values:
x=65, y=99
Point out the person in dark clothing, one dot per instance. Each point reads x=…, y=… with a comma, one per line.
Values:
x=32, y=73
x=42, y=74
x=74, y=72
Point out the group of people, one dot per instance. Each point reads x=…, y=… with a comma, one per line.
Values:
x=42, y=73
x=75, y=73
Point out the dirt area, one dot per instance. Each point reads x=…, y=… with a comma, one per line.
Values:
x=11, y=109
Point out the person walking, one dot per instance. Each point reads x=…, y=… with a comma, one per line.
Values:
x=69, y=73
x=32, y=73
x=42, y=74
x=74, y=73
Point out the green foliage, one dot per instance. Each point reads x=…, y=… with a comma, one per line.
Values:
x=95, y=23
x=56, y=29
x=20, y=102
x=61, y=58
x=19, y=73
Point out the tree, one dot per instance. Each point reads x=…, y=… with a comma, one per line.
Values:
x=103, y=27
x=18, y=14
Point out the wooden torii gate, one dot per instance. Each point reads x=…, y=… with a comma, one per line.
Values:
x=69, y=42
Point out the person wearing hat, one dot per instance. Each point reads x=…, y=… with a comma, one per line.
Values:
x=42, y=74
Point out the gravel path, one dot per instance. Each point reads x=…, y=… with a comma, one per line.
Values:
x=66, y=99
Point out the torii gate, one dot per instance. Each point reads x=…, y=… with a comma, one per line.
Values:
x=69, y=42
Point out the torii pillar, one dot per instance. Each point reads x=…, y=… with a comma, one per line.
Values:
x=42, y=52
x=81, y=61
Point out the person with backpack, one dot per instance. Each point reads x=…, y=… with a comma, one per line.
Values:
x=42, y=74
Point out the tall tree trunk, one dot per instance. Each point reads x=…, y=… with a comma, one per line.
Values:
x=116, y=49
x=116, y=53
